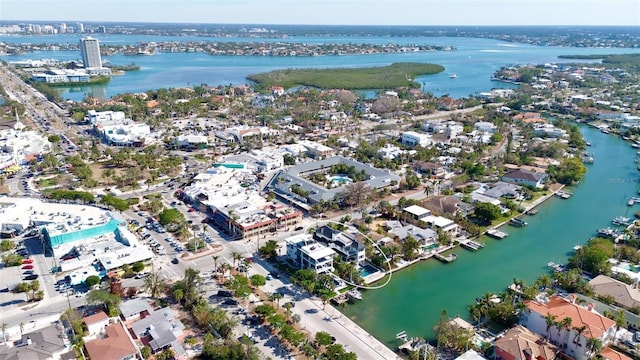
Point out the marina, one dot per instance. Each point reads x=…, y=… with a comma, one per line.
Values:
x=621, y=221
x=497, y=234
x=608, y=233
x=563, y=194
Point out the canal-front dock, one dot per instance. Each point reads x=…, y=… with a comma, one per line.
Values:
x=471, y=245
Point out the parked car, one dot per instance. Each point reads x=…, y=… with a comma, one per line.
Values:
x=225, y=293
x=27, y=267
x=175, y=260
x=31, y=277
x=27, y=261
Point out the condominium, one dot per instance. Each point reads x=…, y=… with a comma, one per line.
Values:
x=90, y=49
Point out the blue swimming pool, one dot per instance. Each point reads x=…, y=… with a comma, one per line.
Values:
x=367, y=270
x=340, y=179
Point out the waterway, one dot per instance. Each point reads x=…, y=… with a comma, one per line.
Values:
x=415, y=297
x=474, y=61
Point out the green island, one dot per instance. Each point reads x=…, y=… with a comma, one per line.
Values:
x=130, y=67
x=385, y=77
x=608, y=59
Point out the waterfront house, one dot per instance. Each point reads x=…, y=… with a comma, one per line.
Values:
x=525, y=177
x=521, y=343
x=346, y=245
x=574, y=344
x=306, y=253
x=116, y=345
x=503, y=189
x=424, y=236
x=448, y=205
x=441, y=223
x=623, y=295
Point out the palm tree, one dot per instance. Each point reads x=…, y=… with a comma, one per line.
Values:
x=21, y=328
x=579, y=331
x=276, y=296
x=215, y=262
x=565, y=324
x=154, y=284
x=236, y=257
x=594, y=346
x=550, y=319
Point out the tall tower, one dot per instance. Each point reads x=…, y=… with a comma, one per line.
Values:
x=90, y=49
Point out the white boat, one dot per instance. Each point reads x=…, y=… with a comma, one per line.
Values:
x=621, y=221
x=453, y=76
x=354, y=294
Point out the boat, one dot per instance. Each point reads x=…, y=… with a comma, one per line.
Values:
x=621, y=221
x=608, y=233
x=354, y=294
x=532, y=212
x=497, y=234
x=517, y=222
x=588, y=143
x=453, y=76
x=635, y=145
x=563, y=194
x=604, y=130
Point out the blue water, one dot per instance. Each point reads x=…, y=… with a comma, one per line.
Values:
x=474, y=61
x=367, y=270
x=340, y=179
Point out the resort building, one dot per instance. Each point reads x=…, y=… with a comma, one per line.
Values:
x=521, y=343
x=228, y=195
x=317, y=150
x=573, y=343
x=413, y=138
x=306, y=253
x=346, y=245
x=295, y=185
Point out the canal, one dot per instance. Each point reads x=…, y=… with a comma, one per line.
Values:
x=415, y=297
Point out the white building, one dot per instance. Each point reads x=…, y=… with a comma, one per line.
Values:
x=306, y=253
x=413, y=138
x=18, y=146
x=549, y=130
x=485, y=126
x=96, y=118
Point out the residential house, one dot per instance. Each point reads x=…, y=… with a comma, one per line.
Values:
x=525, y=177
x=413, y=138
x=424, y=236
x=485, y=127
x=305, y=253
x=46, y=343
x=116, y=345
x=447, y=205
x=96, y=323
x=346, y=245
x=569, y=340
x=160, y=331
x=626, y=296
x=431, y=169
x=440, y=223
x=502, y=189
x=521, y=343
x=470, y=355
x=417, y=212
x=134, y=309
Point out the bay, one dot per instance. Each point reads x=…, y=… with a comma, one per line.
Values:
x=415, y=297
x=474, y=61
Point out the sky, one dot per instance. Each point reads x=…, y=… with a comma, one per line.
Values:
x=331, y=12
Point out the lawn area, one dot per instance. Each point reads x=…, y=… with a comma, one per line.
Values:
x=48, y=182
x=386, y=77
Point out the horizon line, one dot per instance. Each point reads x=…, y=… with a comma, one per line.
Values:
x=300, y=24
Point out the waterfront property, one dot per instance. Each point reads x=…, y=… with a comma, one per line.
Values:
x=521, y=343
x=294, y=183
x=306, y=253
x=525, y=177
x=575, y=344
x=624, y=295
x=345, y=244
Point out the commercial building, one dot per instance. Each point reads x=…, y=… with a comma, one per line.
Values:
x=115, y=129
x=17, y=146
x=227, y=193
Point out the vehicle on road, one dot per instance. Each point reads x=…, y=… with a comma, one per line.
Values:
x=27, y=267
x=27, y=261
x=31, y=277
x=175, y=260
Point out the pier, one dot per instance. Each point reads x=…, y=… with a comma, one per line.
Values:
x=446, y=259
x=471, y=245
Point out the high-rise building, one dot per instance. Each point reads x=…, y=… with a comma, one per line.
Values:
x=90, y=49
x=80, y=27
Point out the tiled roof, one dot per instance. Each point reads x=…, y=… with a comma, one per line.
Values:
x=596, y=324
x=116, y=345
x=519, y=339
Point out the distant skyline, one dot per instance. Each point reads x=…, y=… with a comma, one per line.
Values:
x=330, y=12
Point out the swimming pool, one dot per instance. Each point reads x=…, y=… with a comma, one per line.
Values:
x=367, y=270
x=340, y=179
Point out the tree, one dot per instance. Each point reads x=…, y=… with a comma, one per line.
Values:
x=173, y=219
x=550, y=320
x=323, y=338
x=355, y=193
x=154, y=284
x=594, y=346
x=258, y=280
x=486, y=212
x=3, y=327
x=570, y=170
x=92, y=281
x=138, y=266
x=269, y=250
x=145, y=352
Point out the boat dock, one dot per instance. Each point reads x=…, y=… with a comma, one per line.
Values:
x=446, y=259
x=633, y=201
x=563, y=194
x=471, y=245
x=497, y=234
